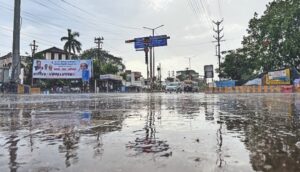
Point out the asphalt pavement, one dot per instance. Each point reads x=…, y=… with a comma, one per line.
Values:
x=150, y=132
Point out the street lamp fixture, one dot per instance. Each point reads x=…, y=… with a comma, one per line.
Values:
x=153, y=29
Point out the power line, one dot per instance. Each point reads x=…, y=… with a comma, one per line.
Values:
x=77, y=18
x=62, y=11
x=220, y=9
x=208, y=18
x=30, y=36
x=207, y=7
x=197, y=7
x=87, y=12
x=32, y=18
x=191, y=6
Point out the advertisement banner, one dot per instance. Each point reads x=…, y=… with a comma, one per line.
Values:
x=282, y=77
x=62, y=69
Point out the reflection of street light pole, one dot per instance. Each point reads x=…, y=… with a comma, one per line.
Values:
x=152, y=48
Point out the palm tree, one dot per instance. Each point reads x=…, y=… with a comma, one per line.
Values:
x=72, y=45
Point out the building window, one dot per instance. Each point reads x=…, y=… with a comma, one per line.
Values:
x=52, y=56
x=59, y=57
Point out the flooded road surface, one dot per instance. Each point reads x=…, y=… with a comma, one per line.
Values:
x=150, y=132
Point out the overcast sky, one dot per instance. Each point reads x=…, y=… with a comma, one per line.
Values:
x=187, y=22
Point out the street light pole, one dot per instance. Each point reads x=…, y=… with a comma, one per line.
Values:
x=152, y=48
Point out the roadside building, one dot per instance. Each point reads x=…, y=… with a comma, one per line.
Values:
x=134, y=82
x=55, y=53
x=187, y=75
x=110, y=83
x=6, y=61
x=6, y=67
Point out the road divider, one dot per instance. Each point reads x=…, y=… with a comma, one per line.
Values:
x=254, y=89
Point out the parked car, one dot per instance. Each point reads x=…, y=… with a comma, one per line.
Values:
x=174, y=87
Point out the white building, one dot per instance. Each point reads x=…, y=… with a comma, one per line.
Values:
x=134, y=81
x=6, y=61
x=55, y=53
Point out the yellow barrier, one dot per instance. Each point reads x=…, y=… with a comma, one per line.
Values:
x=252, y=89
x=20, y=89
x=266, y=89
x=35, y=91
x=297, y=89
x=259, y=89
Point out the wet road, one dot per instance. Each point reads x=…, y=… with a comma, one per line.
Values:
x=150, y=132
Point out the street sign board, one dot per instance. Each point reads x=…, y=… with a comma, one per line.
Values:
x=208, y=68
x=156, y=41
x=141, y=43
x=159, y=41
x=209, y=71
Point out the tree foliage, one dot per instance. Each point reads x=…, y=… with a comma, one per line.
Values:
x=72, y=45
x=272, y=42
x=104, y=62
x=237, y=66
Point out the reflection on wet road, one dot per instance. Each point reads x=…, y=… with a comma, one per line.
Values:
x=150, y=132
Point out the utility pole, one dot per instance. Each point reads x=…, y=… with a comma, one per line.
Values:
x=219, y=39
x=16, y=61
x=99, y=42
x=33, y=47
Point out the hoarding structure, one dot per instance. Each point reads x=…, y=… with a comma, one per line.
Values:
x=62, y=69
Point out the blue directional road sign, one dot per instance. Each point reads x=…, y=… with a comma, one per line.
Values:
x=156, y=41
x=159, y=41
x=139, y=43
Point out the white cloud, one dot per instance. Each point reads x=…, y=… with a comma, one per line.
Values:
x=159, y=4
x=235, y=28
x=198, y=36
x=197, y=26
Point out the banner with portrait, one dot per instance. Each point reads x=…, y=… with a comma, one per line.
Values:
x=62, y=69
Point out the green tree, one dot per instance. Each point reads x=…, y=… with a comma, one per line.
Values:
x=273, y=39
x=272, y=42
x=72, y=45
x=237, y=66
x=105, y=64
